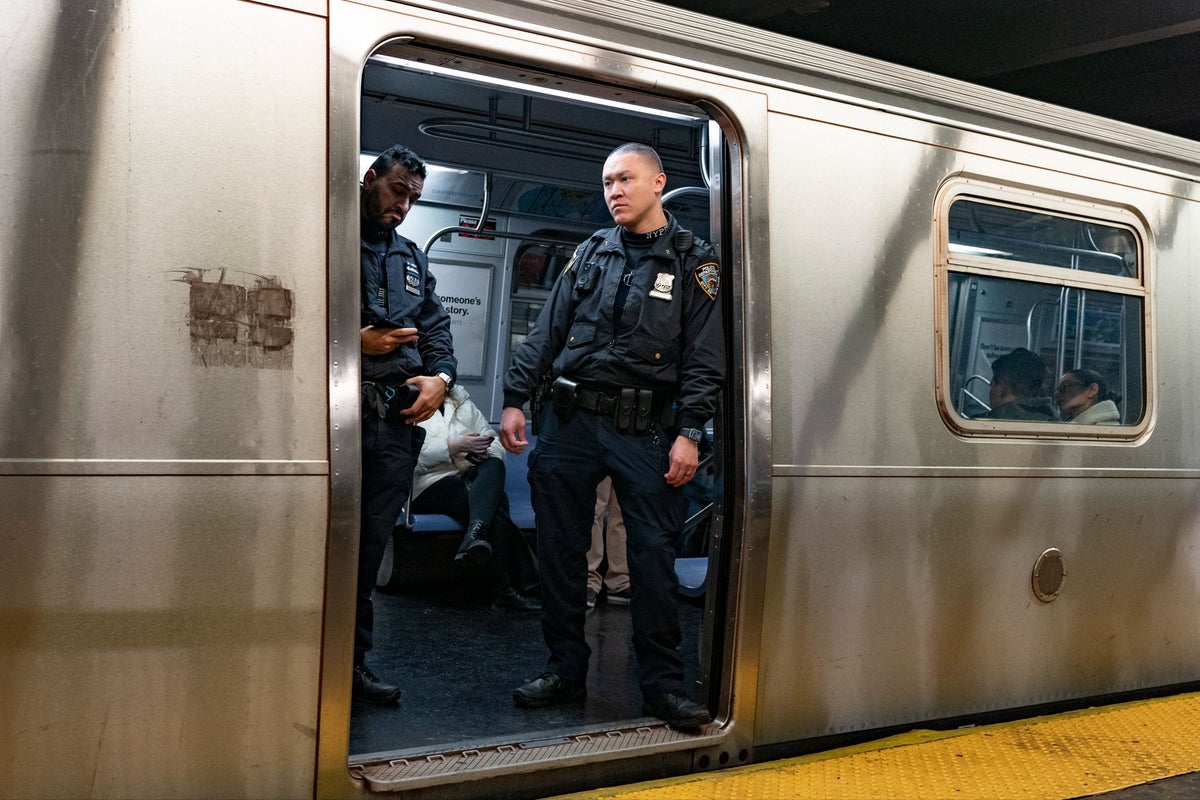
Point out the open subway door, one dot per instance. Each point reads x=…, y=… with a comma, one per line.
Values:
x=515, y=154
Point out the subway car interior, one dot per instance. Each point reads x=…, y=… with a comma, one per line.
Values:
x=514, y=185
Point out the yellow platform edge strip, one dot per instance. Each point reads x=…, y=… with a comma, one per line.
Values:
x=1055, y=757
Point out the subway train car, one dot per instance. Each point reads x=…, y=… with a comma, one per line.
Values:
x=884, y=544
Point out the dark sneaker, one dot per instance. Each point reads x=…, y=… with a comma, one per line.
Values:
x=510, y=600
x=678, y=711
x=548, y=689
x=620, y=598
x=368, y=688
x=591, y=597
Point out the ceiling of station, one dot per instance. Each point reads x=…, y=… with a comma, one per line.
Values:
x=1133, y=60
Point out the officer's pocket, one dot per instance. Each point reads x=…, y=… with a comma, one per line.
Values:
x=580, y=334
x=658, y=352
x=656, y=448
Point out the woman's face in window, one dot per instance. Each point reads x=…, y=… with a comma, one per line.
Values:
x=1073, y=396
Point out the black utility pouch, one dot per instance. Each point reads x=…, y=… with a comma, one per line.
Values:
x=645, y=401
x=565, y=394
x=537, y=402
x=625, y=409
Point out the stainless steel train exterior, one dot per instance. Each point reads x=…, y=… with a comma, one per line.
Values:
x=178, y=306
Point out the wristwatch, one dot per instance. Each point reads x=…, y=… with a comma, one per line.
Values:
x=445, y=376
x=695, y=434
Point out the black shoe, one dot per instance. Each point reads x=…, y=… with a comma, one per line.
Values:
x=548, y=690
x=678, y=711
x=507, y=599
x=475, y=547
x=369, y=689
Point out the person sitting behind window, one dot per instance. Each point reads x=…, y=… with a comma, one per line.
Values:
x=1083, y=398
x=1016, y=388
x=460, y=473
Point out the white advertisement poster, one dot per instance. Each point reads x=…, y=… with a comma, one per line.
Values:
x=466, y=291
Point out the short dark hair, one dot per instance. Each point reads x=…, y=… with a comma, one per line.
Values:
x=644, y=150
x=1089, y=376
x=399, y=154
x=1024, y=372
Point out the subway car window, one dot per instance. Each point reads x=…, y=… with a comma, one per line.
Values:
x=1035, y=237
x=1058, y=341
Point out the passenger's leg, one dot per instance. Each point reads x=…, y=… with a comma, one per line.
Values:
x=595, y=554
x=505, y=540
x=447, y=496
x=616, y=578
x=487, y=489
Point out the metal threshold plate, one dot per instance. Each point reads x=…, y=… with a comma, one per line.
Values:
x=402, y=774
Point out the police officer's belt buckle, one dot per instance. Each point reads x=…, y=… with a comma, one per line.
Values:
x=565, y=394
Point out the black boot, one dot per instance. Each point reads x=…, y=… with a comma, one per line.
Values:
x=507, y=599
x=368, y=687
x=475, y=547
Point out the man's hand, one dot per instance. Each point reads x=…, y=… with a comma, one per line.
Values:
x=685, y=457
x=381, y=341
x=512, y=430
x=433, y=392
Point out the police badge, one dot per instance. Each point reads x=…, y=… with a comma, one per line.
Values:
x=662, y=286
x=709, y=278
x=412, y=277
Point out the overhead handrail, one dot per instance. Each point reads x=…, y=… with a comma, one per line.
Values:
x=479, y=229
x=682, y=190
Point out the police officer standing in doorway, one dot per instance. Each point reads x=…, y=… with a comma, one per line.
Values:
x=629, y=352
x=408, y=365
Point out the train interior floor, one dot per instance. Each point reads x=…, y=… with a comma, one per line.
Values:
x=458, y=661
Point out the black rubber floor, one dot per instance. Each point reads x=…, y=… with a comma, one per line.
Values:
x=458, y=662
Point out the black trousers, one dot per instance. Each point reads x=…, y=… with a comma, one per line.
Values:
x=389, y=453
x=477, y=494
x=571, y=457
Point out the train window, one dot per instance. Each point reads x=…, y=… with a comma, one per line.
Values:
x=538, y=265
x=1021, y=234
x=1043, y=318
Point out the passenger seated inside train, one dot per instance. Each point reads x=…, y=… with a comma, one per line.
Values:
x=1082, y=397
x=1016, y=391
x=460, y=473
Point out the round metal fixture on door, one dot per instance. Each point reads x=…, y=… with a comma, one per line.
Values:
x=1048, y=574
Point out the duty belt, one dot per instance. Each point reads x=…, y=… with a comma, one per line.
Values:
x=632, y=410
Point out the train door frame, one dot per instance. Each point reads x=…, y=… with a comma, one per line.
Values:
x=357, y=29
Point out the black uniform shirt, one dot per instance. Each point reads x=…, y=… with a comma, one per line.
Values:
x=398, y=290
x=669, y=336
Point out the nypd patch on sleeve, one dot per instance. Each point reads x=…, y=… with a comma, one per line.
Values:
x=709, y=278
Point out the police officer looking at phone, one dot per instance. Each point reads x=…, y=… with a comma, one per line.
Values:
x=408, y=365
x=631, y=346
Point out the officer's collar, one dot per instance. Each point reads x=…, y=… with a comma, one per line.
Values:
x=644, y=239
x=661, y=245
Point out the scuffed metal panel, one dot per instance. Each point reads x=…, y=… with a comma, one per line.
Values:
x=155, y=155
x=164, y=522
